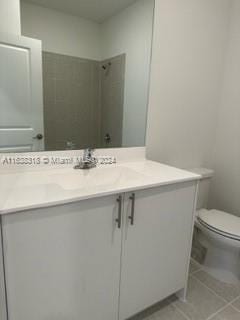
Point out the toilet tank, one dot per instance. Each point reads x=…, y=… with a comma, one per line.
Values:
x=204, y=186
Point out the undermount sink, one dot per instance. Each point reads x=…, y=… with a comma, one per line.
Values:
x=93, y=178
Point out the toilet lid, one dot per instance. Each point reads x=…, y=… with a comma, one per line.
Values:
x=225, y=223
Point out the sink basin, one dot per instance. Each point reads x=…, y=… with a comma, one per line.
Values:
x=97, y=177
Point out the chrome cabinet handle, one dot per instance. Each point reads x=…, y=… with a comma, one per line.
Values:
x=119, y=218
x=131, y=217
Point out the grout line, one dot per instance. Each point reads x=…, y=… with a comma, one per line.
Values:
x=219, y=311
x=223, y=308
x=210, y=317
x=180, y=311
x=211, y=290
x=235, y=299
x=234, y=306
x=199, y=266
x=173, y=303
x=196, y=271
x=227, y=303
x=202, y=269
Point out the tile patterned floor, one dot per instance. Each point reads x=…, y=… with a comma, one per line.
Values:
x=208, y=299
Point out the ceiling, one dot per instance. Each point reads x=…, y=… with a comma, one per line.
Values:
x=96, y=10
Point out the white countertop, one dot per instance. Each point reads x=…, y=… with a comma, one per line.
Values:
x=54, y=186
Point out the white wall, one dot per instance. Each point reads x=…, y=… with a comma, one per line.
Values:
x=10, y=16
x=226, y=184
x=188, y=54
x=194, y=116
x=130, y=32
x=61, y=33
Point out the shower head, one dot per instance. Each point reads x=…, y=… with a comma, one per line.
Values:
x=106, y=65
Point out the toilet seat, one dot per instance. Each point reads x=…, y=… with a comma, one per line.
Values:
x=225, y=224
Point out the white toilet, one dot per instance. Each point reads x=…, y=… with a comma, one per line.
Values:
x=219, y=233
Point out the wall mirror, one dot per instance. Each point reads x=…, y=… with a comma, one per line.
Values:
x=95, y=74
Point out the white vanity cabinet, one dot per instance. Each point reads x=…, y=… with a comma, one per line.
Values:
x=3, y=311
x=64, y=262
x=156, y=245
x=75, y=261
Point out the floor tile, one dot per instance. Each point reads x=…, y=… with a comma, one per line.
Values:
x=194, y=266
x=201, y=302
x=229, y=292
x=163, y=311
x=236, y=304
x=227, y=314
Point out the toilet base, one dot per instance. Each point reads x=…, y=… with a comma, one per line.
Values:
x=222, y=260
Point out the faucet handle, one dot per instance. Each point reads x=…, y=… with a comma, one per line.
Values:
x=88, y=154
x=87, y=161
x=89, y=151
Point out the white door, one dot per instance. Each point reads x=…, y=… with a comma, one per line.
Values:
x=21, y=101
x=156, y=248
x=64, y=262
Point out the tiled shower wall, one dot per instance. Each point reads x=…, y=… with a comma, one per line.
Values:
x=71, y=103
x=73, y=110
x=112, y=100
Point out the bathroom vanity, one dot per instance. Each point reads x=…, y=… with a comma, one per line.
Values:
x=105, y=243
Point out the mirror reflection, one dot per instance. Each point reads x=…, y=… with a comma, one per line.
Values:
x=95, y=74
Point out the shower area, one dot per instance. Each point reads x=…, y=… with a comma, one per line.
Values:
x=83, y=101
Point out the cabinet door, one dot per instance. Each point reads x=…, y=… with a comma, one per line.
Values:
x=156, y=248
x=3, y=311
x=63, y=263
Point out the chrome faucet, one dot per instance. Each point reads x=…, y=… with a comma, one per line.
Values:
x=87, y=161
